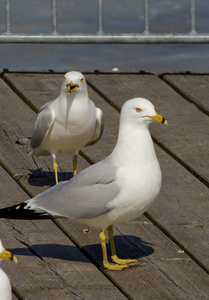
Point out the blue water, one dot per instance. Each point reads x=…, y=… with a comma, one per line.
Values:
x=79, y=16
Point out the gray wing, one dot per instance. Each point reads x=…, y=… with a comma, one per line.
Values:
x=43, y=123
x=46, y=105
x=99, y=128
x=85, y=196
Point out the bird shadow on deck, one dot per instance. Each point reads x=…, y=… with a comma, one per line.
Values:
x=39, y=177
x=126, y=247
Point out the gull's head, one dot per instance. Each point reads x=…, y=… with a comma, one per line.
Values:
x=74, y=82
x=141, y=111
x=4, y=254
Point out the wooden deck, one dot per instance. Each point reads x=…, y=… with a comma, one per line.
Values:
x=57, y=260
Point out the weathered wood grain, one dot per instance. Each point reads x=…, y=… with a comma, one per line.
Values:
x=16, y=122
x=182, y=207
x=41, y=91
x=193, y=86
x=109, y=115
x=163, y=272
x=181, y=210
x=49, y=265
x=188, y=127
x=38, y=88
x=139, y=239
x=176, y=182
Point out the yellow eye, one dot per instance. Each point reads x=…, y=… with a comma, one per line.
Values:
x=82, y=79
x=138, y=110
x=64, y=78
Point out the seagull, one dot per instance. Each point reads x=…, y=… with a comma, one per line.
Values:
x=67, y=123
x=5, y=285
x=117, y=189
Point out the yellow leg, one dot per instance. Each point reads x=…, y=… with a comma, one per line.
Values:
x=55, y=167
x=106, y=264
x=74, y=164
x=114, y=256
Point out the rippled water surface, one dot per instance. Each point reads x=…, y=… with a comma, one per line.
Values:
x=79, y=16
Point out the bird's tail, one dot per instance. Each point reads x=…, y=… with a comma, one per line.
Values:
x=23, y=211
x=25, y=141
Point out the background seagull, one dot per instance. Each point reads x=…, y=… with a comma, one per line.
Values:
x=118, y=189
x=5, y=285
x=67, y=123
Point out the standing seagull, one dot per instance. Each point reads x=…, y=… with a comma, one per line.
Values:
x=5, y=286
x=68, y=123
x=118, y=189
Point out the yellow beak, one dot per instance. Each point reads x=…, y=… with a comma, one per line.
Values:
x=8, y=256
x=71, y=87
x=160, y=119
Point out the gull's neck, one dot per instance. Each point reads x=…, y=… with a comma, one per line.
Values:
x=73, y=101
x=73, y=105
x=134, y=145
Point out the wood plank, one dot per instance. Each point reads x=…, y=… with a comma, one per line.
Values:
x=188, y=127
x=35, y=87
x=58, y=269
x=134, y=241
x=179, y=187
x=163, y=271
x=192, y=86
x=41, y=90
x=173, y=197
x=38, y=88
x=16, y=122
x=109, y=146
x=181, y=209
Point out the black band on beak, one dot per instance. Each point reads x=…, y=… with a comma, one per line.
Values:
x=163, y=120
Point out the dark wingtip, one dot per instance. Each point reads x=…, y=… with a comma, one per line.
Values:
x=24, y=141
x=21, y=212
